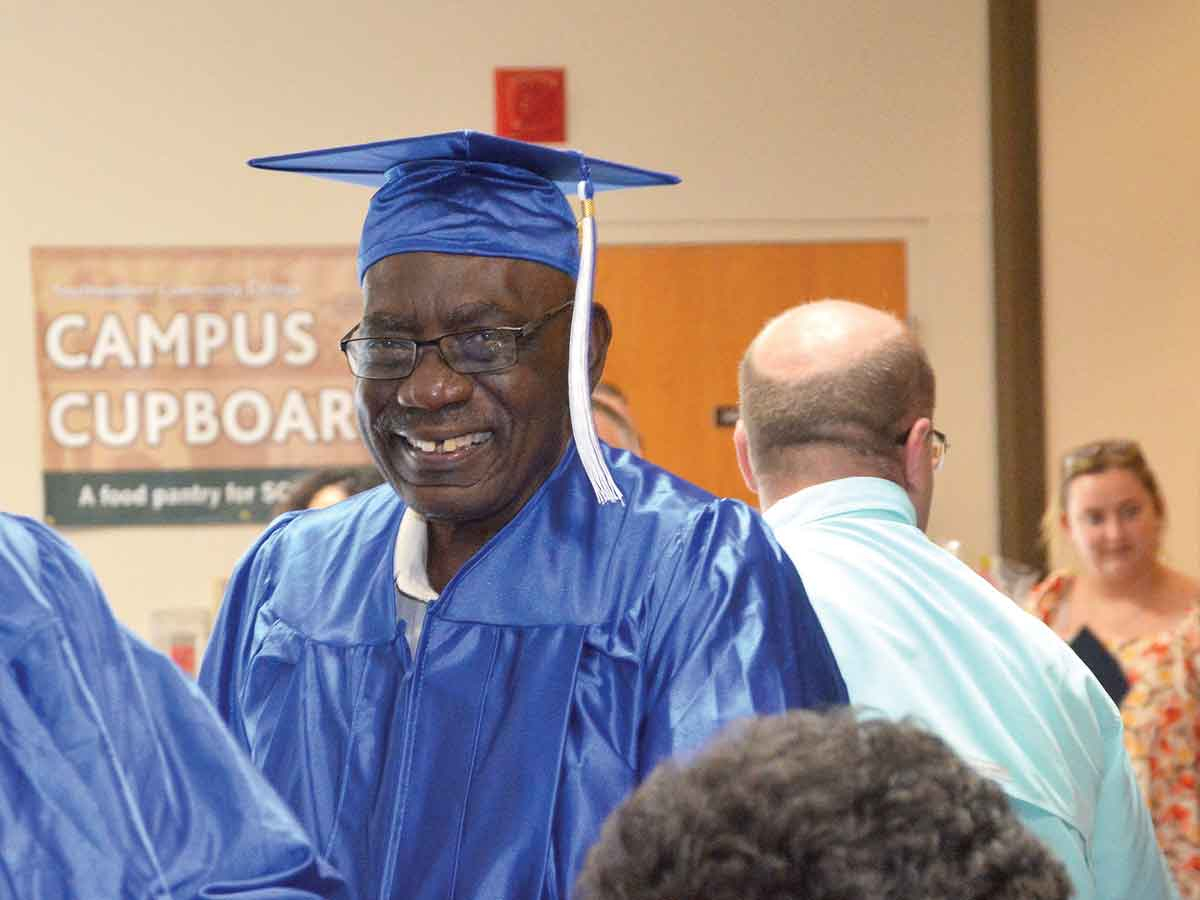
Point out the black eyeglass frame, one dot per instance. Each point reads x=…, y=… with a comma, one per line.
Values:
x=519, y=333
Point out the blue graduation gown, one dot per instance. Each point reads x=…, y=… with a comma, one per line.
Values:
x=579, y=647
x=118, y=779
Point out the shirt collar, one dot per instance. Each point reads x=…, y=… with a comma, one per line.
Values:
x=871, y=497
x=412, y=545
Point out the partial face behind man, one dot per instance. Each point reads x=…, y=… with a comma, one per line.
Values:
x=468, y=447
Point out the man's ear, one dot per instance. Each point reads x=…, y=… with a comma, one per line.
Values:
x=741, y=446
x=918, y=454
x=601, y=337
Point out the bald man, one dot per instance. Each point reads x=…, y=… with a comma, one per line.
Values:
x=837, y=439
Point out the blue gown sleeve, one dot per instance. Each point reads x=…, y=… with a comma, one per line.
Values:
x=119, y=779
x=735, y=635
x=231, y=644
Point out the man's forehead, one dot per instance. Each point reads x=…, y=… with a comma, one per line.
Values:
x=457, y=289
x=454, y=313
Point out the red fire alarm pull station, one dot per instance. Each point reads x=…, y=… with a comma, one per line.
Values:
x=531, y=104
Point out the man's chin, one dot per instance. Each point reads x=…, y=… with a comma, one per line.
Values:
x=447, y=502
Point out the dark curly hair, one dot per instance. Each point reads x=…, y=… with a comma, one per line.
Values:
x=807, y=806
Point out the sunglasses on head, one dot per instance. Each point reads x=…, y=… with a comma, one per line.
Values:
x=1101, y=455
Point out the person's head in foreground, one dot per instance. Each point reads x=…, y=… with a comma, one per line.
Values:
x=835, y=389
x=1110, y=510
x=808, y=806
x=614, y=418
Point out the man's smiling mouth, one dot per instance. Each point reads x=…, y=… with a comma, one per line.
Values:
x=450, y=444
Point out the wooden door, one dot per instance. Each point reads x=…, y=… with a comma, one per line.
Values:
x=684, y=314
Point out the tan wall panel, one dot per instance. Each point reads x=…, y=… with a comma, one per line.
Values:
x=1120, y=241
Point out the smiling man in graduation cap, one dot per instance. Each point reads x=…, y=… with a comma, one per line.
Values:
x=453, y=678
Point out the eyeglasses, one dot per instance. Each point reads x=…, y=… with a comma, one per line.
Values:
x=939, y=445
x=1101, y=455
x=471, y=352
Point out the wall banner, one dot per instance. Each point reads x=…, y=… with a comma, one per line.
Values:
x=186, y=385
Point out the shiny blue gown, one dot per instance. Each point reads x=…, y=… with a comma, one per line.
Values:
x=118, y=780
x=574, y=651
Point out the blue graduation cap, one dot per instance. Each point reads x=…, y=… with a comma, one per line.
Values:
x=475, y=194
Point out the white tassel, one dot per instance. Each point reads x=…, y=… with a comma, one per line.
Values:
x=579, y=386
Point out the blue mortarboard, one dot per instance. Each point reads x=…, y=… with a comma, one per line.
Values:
x=475, y=194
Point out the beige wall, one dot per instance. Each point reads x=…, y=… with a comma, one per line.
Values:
x=1121, y=239
x=126, y=123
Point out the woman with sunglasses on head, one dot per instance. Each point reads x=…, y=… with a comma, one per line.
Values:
x=1135, y=621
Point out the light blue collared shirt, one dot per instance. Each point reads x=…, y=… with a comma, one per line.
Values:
x=918, y=633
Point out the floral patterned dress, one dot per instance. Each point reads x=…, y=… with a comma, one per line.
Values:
x=1161, y=713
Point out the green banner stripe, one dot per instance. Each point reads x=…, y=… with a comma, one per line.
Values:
x=165, y=496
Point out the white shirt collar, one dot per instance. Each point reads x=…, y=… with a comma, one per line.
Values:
x=412, y=545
